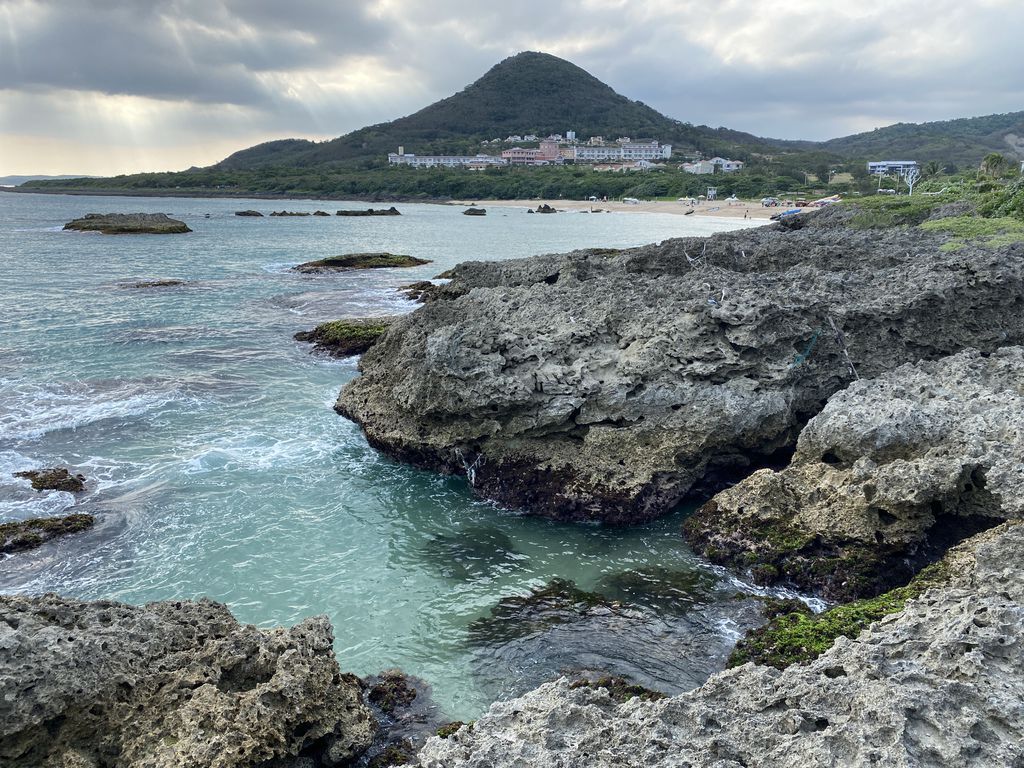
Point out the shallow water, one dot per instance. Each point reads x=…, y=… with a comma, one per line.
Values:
x=217, y=467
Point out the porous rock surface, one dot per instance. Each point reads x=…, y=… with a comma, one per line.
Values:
x=608, y=384
x=940, y=684
x=86, y=685
x=921, y=451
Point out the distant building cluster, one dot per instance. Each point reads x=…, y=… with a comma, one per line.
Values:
x=552, y=150
x=714, y=165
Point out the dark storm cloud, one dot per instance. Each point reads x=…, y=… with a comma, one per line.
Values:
x=197, y=75
x=203, y=51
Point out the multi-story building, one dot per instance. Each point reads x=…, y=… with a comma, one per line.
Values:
x=548, y=152
x=894, y=167
x=443, y=161
x=699, y=167
x=648, y=149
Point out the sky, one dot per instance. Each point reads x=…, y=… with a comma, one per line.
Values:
x=120, y=86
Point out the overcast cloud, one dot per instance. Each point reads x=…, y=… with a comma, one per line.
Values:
x=113, y=86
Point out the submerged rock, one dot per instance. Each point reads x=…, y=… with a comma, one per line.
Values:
x=421, y=291
x=405, y=715
x=249, y=213
x=606, y=385
x=560, y=629
x=890, y=473
x=128, y=223
x=475, y=212
x=344, y=338
x=392, y=211
x=28, y=534
x=359, y=261
x=290, y=213
x=54, y=479
x=170, y=685
x=939, y=684
x=321, y=213
x=169, y=283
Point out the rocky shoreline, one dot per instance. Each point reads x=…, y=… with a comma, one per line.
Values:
x=610, y=385
x=844, y=401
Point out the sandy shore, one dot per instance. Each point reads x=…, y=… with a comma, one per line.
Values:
x=743, y=209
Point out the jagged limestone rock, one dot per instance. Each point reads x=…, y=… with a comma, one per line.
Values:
x=938, y=685
x=606, y=385
x=168, y=685
x=928, y=450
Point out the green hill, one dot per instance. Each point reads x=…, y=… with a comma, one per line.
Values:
x=527, y=93
x=963, y=142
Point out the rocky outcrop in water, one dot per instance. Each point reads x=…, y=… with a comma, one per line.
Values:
x=250, y=213
x=290, y=213
x=350, y=261
x=23, y=535
x=939, y=684
x=128, y=224
x=607, y=385
x=53, y=479
x=172, y=684
x=889, y=474
x=475, y=212
x=392, y=211
x=344, y=338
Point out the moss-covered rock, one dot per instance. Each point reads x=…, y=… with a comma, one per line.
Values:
x=449, y=729
x=350, y=261
x=793, y=637
x=128, y=224
x=390, y=691
x=53, y=479
x=344, y=338
x=29, y=534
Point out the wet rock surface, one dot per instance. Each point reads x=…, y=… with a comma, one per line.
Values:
x=170, y=684
x=609, y=385
x=884, y=479
x=53, y=479
x=352, y=261
x=250, y=213
x=475, y=212
x=128, y=223
x=168, y=283
x=939, y=684
x=23, y=535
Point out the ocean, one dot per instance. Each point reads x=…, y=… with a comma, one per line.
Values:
x=217, y=468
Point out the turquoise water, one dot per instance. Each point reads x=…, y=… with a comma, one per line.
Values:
x=217, y=467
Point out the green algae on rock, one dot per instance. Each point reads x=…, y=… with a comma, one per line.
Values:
x=344, y=338
x=350, y=261
x=128, y=224
x=28, y=534
x=798, y=636
x=53, y=479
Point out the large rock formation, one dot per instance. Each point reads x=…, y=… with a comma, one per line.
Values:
x=128, y=224
x=351, y=261
x=608, y=384
x=85, y=685
x=920, y=456
x=940, y=684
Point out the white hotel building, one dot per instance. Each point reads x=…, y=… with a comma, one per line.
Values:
x=631, y=151
x=443, y=161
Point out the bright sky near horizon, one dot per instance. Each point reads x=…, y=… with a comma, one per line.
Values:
x=120, y=86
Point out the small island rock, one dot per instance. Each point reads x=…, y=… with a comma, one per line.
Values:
x=351, y=261
x=128, y=224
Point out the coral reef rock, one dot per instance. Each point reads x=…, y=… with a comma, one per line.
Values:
x=170, y=684
x=608, y=385
x=939, y=684
x=894, y=468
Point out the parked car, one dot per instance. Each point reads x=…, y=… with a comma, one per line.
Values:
x=769, y=202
